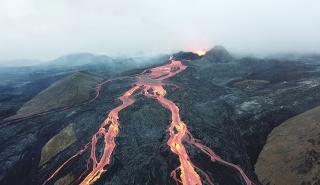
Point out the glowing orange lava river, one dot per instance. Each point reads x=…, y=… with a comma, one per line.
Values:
x=150, y=84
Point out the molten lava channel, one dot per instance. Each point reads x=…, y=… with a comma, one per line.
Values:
x=150, y=84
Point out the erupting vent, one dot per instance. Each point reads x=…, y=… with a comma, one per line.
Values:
x=200, y=53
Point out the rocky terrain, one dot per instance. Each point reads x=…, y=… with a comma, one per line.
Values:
x=230, y=104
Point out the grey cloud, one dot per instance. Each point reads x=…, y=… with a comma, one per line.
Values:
x=48, y=29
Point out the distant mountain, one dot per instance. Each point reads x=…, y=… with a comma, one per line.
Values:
x=19, y=63
x=80, y=59
x=103, y=64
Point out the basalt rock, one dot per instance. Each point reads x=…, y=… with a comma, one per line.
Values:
x=186, y=56
x=68, y=179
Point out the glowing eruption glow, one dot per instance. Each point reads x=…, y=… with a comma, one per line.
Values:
x=150, y=84
x=200, y=52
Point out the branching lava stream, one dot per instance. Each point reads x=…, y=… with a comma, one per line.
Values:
x=150, y=84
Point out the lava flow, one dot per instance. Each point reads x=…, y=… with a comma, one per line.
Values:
x=150, y=84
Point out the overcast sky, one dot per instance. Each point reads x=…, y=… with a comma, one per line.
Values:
x=41, y=29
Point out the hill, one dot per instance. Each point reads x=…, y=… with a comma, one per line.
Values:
x=292, y=152
x=71, y=90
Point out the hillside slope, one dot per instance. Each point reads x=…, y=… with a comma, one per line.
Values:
x=292, y=153
x=71, y=90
